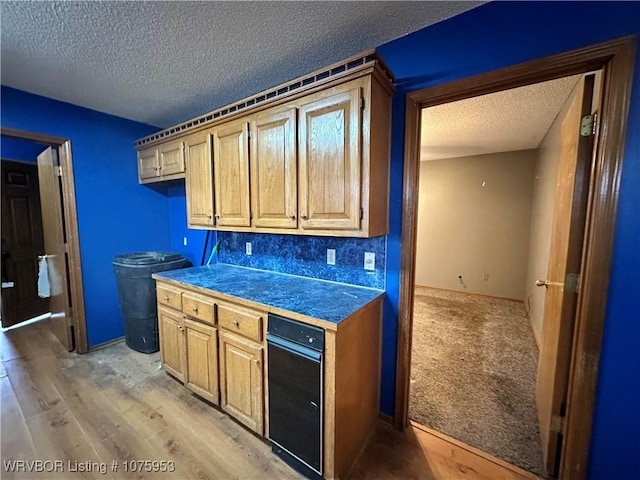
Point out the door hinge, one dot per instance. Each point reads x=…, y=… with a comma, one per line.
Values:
x=588, y=125
x=362, y=103
x=59, y=171
x=572, y=283
x=558, y=423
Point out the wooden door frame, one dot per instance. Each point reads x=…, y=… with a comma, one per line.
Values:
x=616, y=58
x=78, y=319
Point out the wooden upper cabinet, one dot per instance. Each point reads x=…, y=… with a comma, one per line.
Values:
x=163, y=162
x=329, y=139
x=148, y=164
x=199, y=180
x=171, y=158
x=303, y=163
x=231, y=174
x=274, y=202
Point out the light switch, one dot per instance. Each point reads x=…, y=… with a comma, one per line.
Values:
x=331, y=256
x=369, y=261
x=247, y=248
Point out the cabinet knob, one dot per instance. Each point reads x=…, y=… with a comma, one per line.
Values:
x=292, y=217
x=181, y=328
x=209, y=215
x=304, y=217
x=256, y=361
x=236, y=323
x=166, y=299
x=195, y=308
x=217, y=215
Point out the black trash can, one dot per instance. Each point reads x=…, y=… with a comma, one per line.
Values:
x=137, y=294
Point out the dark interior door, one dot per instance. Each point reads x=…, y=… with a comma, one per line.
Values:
x=22, y=242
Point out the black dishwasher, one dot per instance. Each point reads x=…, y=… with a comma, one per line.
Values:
x=296, y=393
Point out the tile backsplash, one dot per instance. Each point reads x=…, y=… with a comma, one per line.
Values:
x=307, y=256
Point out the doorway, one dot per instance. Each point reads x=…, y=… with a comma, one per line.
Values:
x=573, y=428
x=22, y=242
x=56, y=271
x=485, y=215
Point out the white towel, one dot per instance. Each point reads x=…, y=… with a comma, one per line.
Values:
x=55, y=280
x=44, y=288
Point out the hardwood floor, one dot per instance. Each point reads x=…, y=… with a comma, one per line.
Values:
x=116, y=405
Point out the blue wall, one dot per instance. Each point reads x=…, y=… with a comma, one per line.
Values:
x=20, y=150
x=498, y=35
x=115, y=213
x=179, y=230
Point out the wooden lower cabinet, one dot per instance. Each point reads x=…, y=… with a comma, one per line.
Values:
x=172, y=344
x=201, y=372
x=218, y=350
x=242, y=380
x=189, y=352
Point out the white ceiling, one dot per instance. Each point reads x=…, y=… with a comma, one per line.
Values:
x=506, y=121
x=165, y=62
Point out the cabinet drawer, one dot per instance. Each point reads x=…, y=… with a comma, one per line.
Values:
x=198, y=306
x=243, y=322
x=169, y=297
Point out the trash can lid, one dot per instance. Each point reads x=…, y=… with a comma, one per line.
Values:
x=146, y=258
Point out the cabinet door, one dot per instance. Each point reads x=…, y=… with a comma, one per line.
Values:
x=273, y=169
x=330, y=159
x=148, y=164
x=201, y=374
x=231, y=174
x=171, y=342
x=171, y=158
x=199, y=180
x=241, y=380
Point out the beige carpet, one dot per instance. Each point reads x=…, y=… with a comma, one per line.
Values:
x=473, y=369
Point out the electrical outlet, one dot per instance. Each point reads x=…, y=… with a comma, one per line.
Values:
x=331, y=256
x=184, y=241
x=369, y=261
x=247, y=248
x=485, y=277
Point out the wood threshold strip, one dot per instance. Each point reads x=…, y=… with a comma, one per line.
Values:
x=487, y=456
x=335, y=71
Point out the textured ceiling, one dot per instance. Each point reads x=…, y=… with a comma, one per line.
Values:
x=165, y=62
x=506, y=121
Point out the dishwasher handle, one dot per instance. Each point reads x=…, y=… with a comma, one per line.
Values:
x=295, y=348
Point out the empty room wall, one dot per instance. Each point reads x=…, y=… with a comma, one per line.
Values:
x=474, y=215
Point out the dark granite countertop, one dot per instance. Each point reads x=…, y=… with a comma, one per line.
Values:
x=328, y=301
